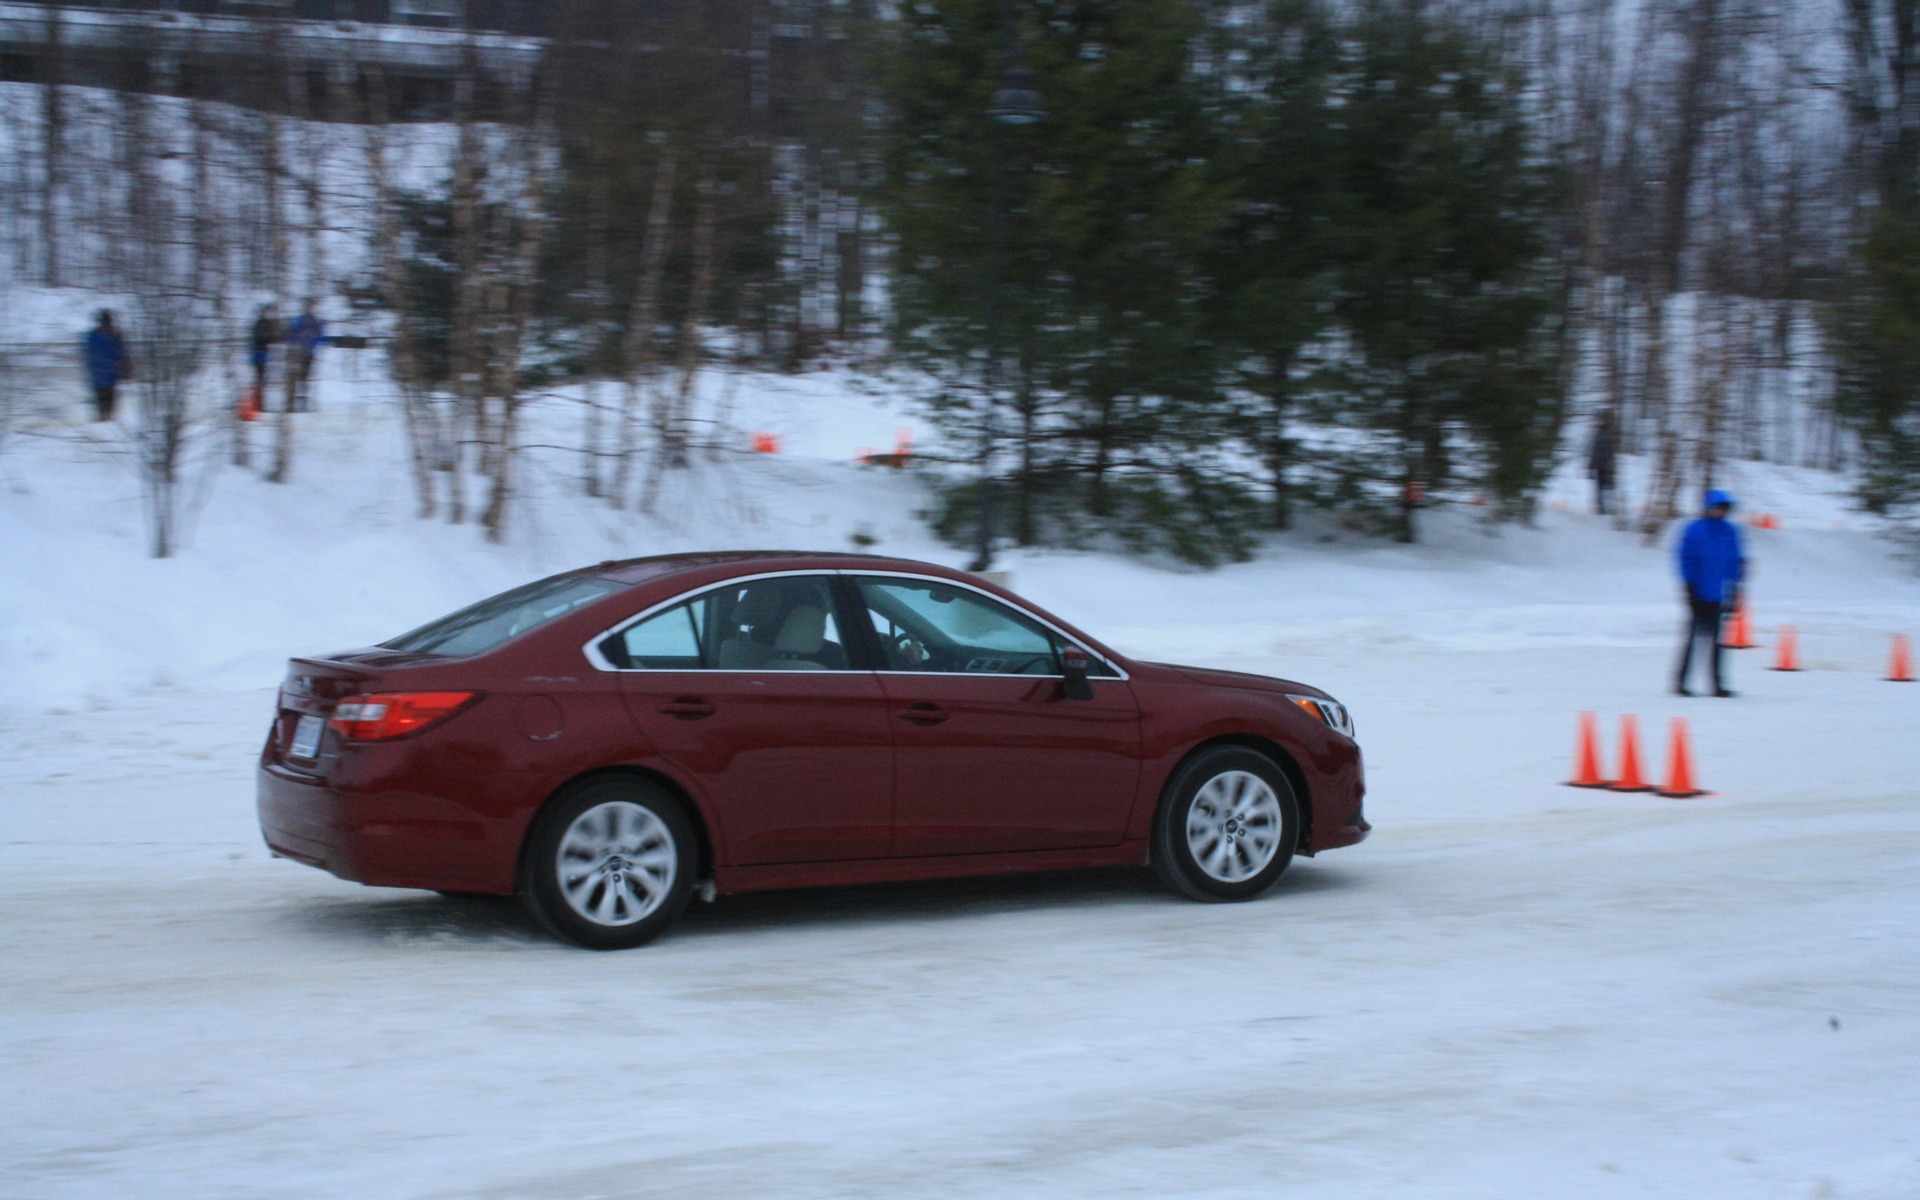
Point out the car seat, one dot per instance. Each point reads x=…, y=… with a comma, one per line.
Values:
x=803, y=635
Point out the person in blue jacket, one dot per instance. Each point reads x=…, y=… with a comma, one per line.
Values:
x=306, y=333
x=1712, y=564
x=106, y=357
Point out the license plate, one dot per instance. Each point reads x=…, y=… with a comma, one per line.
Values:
x=306, y=738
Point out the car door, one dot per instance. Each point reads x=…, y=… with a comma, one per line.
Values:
x=989, y=753
x=748, y=691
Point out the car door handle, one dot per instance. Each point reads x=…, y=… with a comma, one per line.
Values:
x=924, y=713
x=687, y=708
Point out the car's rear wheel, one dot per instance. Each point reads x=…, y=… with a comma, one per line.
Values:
x=610, y=865
x=1227, y=825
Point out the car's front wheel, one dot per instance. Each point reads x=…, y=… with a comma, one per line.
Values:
x=610, y=865
x=1227, y=825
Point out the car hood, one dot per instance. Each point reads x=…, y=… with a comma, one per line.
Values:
x=1241, y=679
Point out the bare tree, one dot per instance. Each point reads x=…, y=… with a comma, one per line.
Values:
x=515, y=292
x=642, y=323
x=416, y=405
x=599, y=298
x=169, y=332
x=672, y=415
x=53, y=124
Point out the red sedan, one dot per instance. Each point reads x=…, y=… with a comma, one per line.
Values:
x=607, y=742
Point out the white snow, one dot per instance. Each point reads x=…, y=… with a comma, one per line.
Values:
x=1513, y=989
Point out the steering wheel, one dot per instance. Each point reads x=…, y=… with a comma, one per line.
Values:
x=906, y=652
x=1039, y=664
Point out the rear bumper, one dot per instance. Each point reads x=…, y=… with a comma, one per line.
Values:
x=383, y=837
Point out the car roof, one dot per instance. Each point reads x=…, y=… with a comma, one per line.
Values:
x=713, y=567
x=660, y=566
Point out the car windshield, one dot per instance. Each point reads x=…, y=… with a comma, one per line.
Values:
x=480, y=627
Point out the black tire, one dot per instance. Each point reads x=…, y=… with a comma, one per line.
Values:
x=609, y=865
x=1243, y=835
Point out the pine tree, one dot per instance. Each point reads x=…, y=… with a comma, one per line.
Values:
x=1107, y=382
x=1272, y=268
x=1876, y=337
x=1876, y=324
x=1446, y=286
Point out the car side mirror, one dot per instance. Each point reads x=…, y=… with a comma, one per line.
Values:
x=1074, y=666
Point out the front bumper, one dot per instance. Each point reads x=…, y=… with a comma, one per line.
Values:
x=1351, y=833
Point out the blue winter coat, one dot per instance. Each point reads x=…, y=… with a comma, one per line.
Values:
x=1711, y=560
x=106, y=357
x=306, y=334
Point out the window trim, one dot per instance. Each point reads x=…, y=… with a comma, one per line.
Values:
x=599, y=662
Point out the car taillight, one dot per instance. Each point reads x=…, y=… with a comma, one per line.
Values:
x=387, y=715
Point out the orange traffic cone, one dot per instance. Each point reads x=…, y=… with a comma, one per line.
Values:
x=1586, y=755
x=1739, y=630
x=1679, y=784
x=1629, y=779
x=1788, y=656
x=1900, y=670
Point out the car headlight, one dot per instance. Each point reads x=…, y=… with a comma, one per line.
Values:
x=1332, y=712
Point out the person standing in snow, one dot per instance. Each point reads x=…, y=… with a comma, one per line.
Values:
x=1600, y=456
x=106, y=357
x=1712, y=564
x=305, y=333
x=266, y=331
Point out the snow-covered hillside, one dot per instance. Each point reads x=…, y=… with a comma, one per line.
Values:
x=1514, y=988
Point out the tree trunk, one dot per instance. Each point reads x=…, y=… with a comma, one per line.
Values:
x=1278, y=446
x=464, y=350
x=1664, y=483
x=851, y=324
x=599, y=219
x=1690, y=119
x=53, y=123
x=523, y=283
x=298, y=380
x=1100, y=503
x=1028, y=406
x=277, y=256
x=402, y=349
x=671, y=450
x=637, y=350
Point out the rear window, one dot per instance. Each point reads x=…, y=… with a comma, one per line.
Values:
x=478, y=628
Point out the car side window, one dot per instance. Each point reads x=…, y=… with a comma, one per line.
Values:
x=935, y=627
x=667, y=641
x=779, y=624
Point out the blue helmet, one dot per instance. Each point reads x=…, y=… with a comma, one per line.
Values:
x=1716, y=497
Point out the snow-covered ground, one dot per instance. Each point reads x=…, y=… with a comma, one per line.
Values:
x=1513, y=989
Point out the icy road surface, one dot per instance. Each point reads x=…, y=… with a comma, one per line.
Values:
x=1514, y=989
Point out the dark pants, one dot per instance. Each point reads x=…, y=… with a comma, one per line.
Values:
x=1702, y=622
x=1602, y=493
x=299, y=367
x=103, y=401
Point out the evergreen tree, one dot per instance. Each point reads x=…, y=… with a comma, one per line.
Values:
x=1876, y=323
x=1447, y=287
x=1876, y=337
x=1273, y=265
x=1107, y=382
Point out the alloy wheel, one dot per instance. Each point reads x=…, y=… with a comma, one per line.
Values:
x=1233, y=826
x=615, y=863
